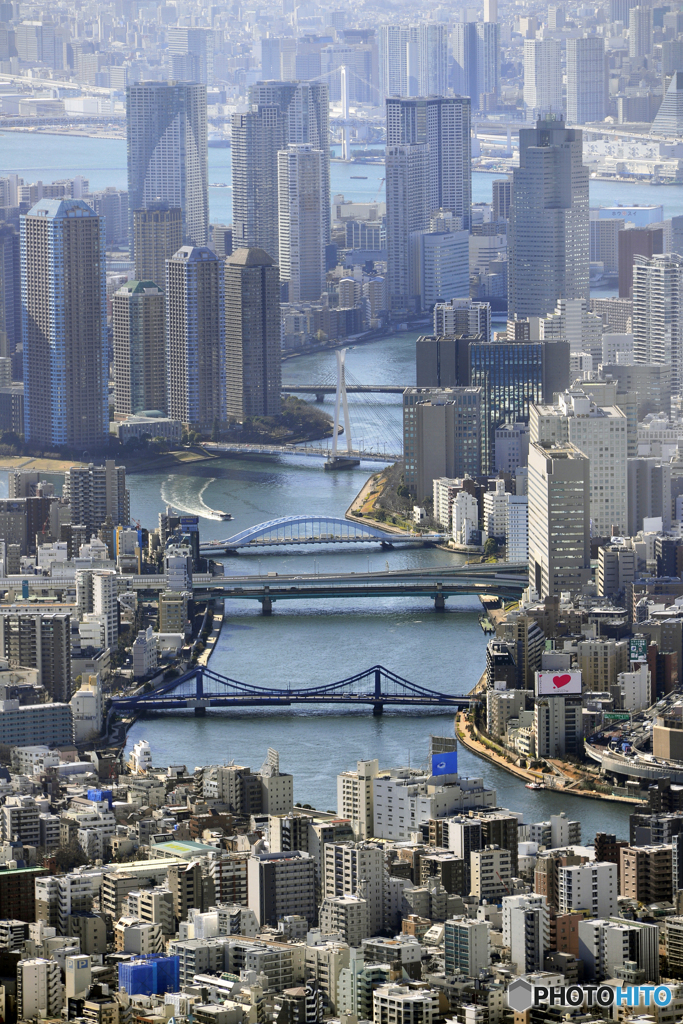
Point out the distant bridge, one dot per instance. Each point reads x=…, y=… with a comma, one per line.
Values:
x=298, y=530
x=368, y=455
x=201, y=689
x=320, y=390
x=506, y=580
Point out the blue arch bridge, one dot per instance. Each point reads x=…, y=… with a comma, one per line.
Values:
x=296, y=530
x=201, y=689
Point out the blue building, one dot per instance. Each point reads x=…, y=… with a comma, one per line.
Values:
x=152, y=976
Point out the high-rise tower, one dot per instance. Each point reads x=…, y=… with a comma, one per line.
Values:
x=195, y=337
x=549, y=230
x=428, y=169
x=158, y=233
x=64, y=324
x=280, y=114
x=658, y=314
x=542, y=78
x=252, y=335
x=300, y=221
x=167, y=152
x=139, y=348
x=586, y=80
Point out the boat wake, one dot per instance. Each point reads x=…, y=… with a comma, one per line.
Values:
x=174, y=493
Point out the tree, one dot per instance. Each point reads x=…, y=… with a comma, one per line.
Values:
x=491, y=548
x=70, y=856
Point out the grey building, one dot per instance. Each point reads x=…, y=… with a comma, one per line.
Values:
x=548, y=235
x=649, y=492
x=25, y=726
x=559, y=518
x=95, y=492
x=139, y=348
x=42, y=641
x=157, y=234
x=650, y=381
x=442, y=435
x=252, y=335
x=167, y=152
x=280, y=884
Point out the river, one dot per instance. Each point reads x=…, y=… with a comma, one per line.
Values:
x=304, y=644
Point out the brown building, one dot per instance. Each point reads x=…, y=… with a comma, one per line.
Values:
x=252, y=335
x=65, y=341
x=608, y=849
x=17, y=892
x=646, y=873
x=564, y=932
x=546, y=873
x=139, y=328
x=158, y=232
x=636, y=242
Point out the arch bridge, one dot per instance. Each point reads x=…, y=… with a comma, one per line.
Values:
x=201, y=688
x=296, y=530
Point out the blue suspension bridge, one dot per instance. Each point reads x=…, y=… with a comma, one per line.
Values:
x=201, y=689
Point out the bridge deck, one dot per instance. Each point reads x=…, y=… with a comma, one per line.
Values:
x=223, y=448
x=201, y=688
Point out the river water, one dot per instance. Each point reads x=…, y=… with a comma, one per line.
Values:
x=304, y=644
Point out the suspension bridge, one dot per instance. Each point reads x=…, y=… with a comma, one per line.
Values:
x=202, y=689
x=290, y=531
x=386, y=447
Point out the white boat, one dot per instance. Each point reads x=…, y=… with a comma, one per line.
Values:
x=535, y=785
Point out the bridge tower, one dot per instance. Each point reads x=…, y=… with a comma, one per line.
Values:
x=345, y=111
x=334, y=460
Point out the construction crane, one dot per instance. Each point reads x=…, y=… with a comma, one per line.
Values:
x=374, y=199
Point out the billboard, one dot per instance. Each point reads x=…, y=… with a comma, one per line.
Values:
x=445, y=764
x=564, y=684
x=638, y=648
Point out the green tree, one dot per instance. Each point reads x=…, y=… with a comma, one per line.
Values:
x=491, y=548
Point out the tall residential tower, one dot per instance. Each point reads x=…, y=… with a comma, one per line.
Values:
x=64, y=324
x=167, y=152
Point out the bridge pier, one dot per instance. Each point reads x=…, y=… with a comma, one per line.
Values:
x=378, y=709
x=320, y=396
x=439, y=603
x=266, y=605
x=199, y=712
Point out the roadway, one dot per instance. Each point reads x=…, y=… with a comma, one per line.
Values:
x=331, y=389
x=435, y=585
x=222, y=448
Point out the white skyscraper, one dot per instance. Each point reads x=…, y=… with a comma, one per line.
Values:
x=658, y=314
x=526, y=930
x=586, y=80
x=300, y=221
x=600, y=433
x=542, y=78
x=559, y=518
